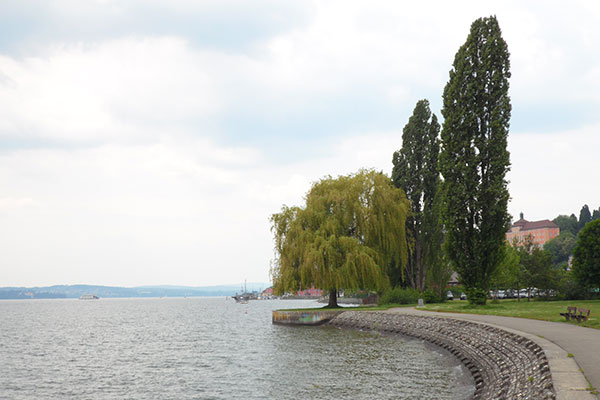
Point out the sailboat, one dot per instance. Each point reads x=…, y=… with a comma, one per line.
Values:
x=242, y=298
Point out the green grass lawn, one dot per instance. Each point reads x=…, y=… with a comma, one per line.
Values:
x=542, y=310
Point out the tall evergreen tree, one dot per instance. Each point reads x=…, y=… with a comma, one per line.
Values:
x=474, y=159
x=596, y=214
x=416, y=172
x=584, y=216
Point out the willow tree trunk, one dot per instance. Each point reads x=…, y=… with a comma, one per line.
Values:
x=333, y=298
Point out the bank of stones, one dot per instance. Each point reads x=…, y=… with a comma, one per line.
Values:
x=503, y=365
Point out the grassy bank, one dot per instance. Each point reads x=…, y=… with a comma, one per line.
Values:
x=542, y=310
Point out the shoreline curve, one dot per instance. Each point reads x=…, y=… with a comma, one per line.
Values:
x=504, y=365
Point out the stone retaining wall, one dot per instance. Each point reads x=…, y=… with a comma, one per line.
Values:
x=314, y=317
x=504, y=365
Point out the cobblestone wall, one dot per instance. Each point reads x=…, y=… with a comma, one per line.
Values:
x=503, y=365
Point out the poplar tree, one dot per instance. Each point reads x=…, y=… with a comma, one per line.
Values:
x=584, y=216
x=416, y=172
x=346, y=237
x=474, y=159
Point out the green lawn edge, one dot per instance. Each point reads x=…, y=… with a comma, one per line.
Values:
x=536, y=309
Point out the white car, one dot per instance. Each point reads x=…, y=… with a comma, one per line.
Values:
x=463, y=296
x=449, y=295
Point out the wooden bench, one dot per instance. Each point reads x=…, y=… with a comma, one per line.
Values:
x=583, y=315
x=572, y=314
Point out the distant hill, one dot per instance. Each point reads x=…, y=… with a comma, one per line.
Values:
x=75, y=291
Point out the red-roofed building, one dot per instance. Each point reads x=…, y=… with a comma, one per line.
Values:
x=540, y=231
x=312, y=292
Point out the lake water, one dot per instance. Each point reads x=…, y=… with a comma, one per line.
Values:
x=206, y=348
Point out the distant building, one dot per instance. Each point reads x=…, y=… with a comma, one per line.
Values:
x=540, y=231
x=454, y=279
x=312, y=292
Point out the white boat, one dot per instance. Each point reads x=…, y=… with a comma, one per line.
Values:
x=89, y=297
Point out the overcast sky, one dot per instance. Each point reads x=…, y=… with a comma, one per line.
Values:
x=148, y=141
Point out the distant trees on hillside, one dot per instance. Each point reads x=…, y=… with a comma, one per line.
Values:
x=561, y=247
x=572, y=224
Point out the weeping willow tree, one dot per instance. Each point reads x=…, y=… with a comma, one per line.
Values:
x=349, y=234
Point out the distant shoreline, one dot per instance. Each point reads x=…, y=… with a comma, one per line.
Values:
x=76, y=291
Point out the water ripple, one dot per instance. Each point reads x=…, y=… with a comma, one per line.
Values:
x=206, y=348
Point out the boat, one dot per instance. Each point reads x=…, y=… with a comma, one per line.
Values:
x=89, y=297
x=244, y=297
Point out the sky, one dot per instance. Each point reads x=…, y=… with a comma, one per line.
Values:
x=148, y=142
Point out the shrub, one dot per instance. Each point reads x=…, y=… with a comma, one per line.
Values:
x=399, y=295
x=476, y=296
x=430, y=297
x=457, y=291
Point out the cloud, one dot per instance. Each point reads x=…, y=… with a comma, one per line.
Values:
x=132, y=89
x=166, y=212
x=554, y=173
x=146, y=142
x=146, y=213
x=9, y=203
x=29, y=26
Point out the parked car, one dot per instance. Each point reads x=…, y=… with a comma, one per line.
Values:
x=463, y=296
x=449, y=295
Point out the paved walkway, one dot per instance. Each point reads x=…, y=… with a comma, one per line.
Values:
x=557, y=339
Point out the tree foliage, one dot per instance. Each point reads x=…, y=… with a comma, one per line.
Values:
x=438, y=268
x=567, y=223
x=535, y=267
x=348, y=235
x=474, y=159
x=572, y=224
x=561, y=247
x=585, y=216
x=506, y=275
x=586, y=256
x=416, y=172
